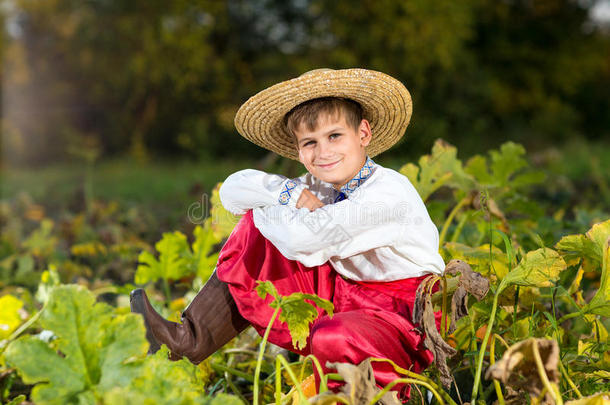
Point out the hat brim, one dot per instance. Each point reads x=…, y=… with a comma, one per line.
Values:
x=385, y=101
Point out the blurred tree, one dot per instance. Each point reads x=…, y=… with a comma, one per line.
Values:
x=480, y=71
x=167, y=77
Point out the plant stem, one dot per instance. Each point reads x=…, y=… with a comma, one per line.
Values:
x=316, y=363
x=449, y=219
x=459, y=227
x=167, y=291
x=259, y=361
x=492, y=360
x=23, y=327
x=230, y=370
x=568, y=316
x=545, y=379
x=567, y=377
x=406, y=381
x=416, y=376
x=281, y=360
x=444, y=308
x=477, y=376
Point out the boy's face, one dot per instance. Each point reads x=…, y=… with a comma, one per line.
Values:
x=335, y=151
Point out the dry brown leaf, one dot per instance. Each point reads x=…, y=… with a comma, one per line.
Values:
x=470, y=282
x=359, y=388
x=517, y=367
x=435, y=343
x=423, y=315
x=473, y=282
x=458, y=307
x=418, y=305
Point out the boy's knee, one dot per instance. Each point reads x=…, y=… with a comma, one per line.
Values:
x=327, y=334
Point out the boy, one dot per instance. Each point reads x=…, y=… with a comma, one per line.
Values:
x=349, y=230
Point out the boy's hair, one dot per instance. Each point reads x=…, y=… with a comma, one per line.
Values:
x=308, y=113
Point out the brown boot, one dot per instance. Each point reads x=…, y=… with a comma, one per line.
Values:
x=209, y=322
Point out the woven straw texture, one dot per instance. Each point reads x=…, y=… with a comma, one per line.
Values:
x=385, y=102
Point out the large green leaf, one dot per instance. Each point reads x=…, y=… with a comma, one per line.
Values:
x=441, y=167
x=590, y=245
x=539, y=268
x=173, y=262
x=507, y=161
x=600, y=303
x=165, y=382
x=502, y=168
x=90, y=355
x=203, y=262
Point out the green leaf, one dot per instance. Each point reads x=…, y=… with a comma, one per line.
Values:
x=295, y=311
x=298, y=314
x=266, y=287
x=163, y=382
x=479, y=257
x=539, y=268
x=590, y=245
x=17, y=400
x=41, y=242
x=90, y=355
x=9, y=315
x=600, y=303
x=223, y=221
x=507, y=161
x=502, y=167
x=575, y=246
x=476, y=166
x=203, y=262
x=173, y=262
x=38, y=363
x=48, y=281
x=599, y=234
x=601, y=398
x=441, y=167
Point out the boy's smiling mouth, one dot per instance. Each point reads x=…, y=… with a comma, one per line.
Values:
x=330, y=165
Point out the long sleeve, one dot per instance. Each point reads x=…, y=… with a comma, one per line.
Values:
x=314, y=237
x=384, y=212
x=249, y=188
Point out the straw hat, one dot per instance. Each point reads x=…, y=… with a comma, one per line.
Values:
x=385, y=102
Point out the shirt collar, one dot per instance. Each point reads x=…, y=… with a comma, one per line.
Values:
x=360, y=177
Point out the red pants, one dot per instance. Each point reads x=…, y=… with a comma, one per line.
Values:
x=371, y=319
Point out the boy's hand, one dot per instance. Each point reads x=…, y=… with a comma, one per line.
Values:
x=309, y=200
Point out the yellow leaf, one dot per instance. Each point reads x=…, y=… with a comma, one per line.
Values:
x=603, y=398
x=539, y=268
x=9, y=315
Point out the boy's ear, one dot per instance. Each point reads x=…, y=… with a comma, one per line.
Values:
x=364, y=132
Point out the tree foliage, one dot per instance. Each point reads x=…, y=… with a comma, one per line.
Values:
x=152, y=76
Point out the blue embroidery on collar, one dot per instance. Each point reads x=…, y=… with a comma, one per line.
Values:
x=363, y=174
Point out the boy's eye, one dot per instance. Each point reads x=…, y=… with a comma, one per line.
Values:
x=335, y=135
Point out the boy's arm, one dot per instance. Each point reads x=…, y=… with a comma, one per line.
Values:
x=348, y=227
x=249, y=188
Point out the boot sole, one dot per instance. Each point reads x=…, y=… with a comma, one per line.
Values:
x=136, y=303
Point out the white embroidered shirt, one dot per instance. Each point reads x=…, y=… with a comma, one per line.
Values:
x=376, y=228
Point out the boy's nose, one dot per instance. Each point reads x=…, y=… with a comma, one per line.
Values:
x=324, y=150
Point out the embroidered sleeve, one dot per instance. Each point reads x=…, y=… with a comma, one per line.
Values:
x=290, y=192
x=249, y=188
